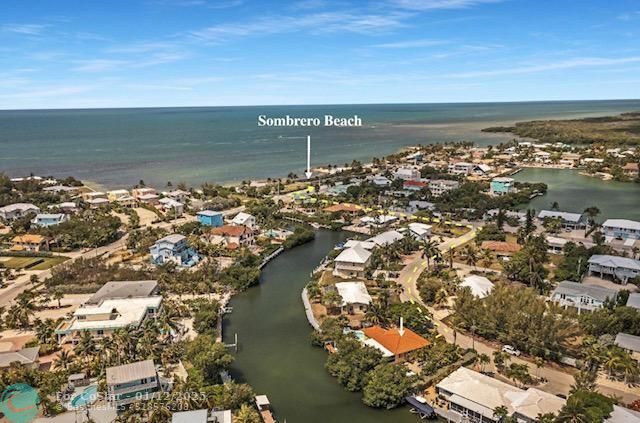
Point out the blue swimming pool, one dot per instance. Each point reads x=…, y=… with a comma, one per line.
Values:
x=88, y=396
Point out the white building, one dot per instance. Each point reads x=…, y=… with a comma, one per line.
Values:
x=17, y=210
x=420, y=231
x=581, y=296
x=244, y=219
x=352, y=262
x=568, y=220
x=386, y=238
x=618, y=268
x=355, y=297
x=621, y=228
x=132, y=382
x=479, y=285
x=437, y=187
x=407, y=174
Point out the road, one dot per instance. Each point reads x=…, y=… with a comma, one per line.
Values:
x=558, y=381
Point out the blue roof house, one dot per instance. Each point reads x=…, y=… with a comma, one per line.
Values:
x=210, y=218
x=502, y=186
x=49, y=219
x=174, y=249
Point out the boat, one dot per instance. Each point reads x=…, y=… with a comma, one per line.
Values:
x=421, y=407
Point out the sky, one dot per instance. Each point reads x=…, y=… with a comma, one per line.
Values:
x=144, y=53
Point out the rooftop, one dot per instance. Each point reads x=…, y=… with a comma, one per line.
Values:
x=622, y=223
x=479, y=285
x=128, y=312
x=356, y=254
x=386, y=238
x=615, y=261
x=123, y=289
x=394, y=341
x=565, y=216
x=23, y=356
x=353, y=293
x=628, y=342
x=576, y=289
x=130, y=372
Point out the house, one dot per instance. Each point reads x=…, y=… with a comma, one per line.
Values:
x=202, y=416
x=92, y=195
x=510, y=214
x=343, y=208
x=502, y=186
x=414, y=185
x=178, y=195
x=235, y=235
x=381, y=181
x=621, y=228
x=150, y=199
x=386, y=238
x=132, y=382
x=420, y=231
x=44, y=220
x=95, y=203
x=437, y=187
x=355, y=297
x=244, y=219
x=352, y=262
x=501, y=248
x=210, y=218
x=17, y=210
x=29, y=242
x=407, y=174
x=619, y=268
x=174, y=249
x=25, y=357
x=61, y=189
x=555, y=244
x=634, y=300
x=121, y=196
x=479, y=285
x=630, y=343
x=66, y=207
x=466, y=169
x=141, y=192
x=394, y=342
x=568, y=220
x=473, y=397
x=171, y=207
x=581, y=296
x=381, y=220
x=117, y=290
x=632, y=170
x=102, y=319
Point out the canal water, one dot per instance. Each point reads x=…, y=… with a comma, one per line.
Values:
x=575, y=192
x=275, y=353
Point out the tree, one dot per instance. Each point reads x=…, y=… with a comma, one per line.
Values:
x=586, y=407
x=208, y=357
x=58, y=295
x=483, y=359
x=469, y=255
x=500, y=413
x=351, y=363
x=387, y=386
x=247, y=414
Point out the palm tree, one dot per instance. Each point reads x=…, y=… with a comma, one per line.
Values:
x=500, y=413
x=429, y=249
x=64, y=360
x=486, y=257
x=483, y=359
x=470, y=255
x=58, y=295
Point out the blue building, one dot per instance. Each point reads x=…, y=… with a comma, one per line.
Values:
x=174, y=249
x=210, y=218
x=502, y=186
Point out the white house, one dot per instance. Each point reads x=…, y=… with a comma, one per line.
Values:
x=407, y=173
x=568, y=220
x=437, y=187
x=355, y=297
x=479, y=285
x=581, y=296
x=621, y=228
x=618, y=268
x=244, y=219
x=17, y=210
x=352, y=262
x=386, y=238
x=420, y=231
x=132, y=382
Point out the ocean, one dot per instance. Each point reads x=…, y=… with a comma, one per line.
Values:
x=118, y=147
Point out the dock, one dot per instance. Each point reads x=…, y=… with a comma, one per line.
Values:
x=264, y=407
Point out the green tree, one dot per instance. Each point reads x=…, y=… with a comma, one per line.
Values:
x=387, y=386
x=586, y=407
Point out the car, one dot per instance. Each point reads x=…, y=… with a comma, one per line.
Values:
x=511, y=350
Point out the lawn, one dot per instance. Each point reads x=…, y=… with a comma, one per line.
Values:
x=33, y=263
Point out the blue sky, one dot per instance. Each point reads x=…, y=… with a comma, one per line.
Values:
x=68, y=54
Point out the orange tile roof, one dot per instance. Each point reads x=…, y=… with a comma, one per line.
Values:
x=230, y=230
x=394, y=342
x=631, y=166
x=28, y=238
x=501, y=246
x=352, y=208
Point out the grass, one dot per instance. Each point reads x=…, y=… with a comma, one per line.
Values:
x=33, y=263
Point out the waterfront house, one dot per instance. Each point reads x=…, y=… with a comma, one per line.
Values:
x=174, y=249
x=202, y=416
x=437, y=187
x=632, y=170
x=244, y=219
x=466, y=169
x=61, y=189
x=178, y=195
x=472, y=397
x=29, y=242
x=118, y=290
x=149, y=199
x=17, y=210
x=355, y=297
x=568, y=220
x=27, y=357
x=141, y=192
x=407, y=174
x=132, y=382
x=618, y=268
x=44, y=220
x=343, y=208
x=511, y=214
x=92, y=195
x=502, y=186
x=102, y=319
x=352, y=262
x=630, y=343
x=234, y=235
x=95, y=203
x=171, y=207
x=121, y=196
x=210, y=218
x=621, y=228
x=479, y=286
x=581, y=296
x=381, y=220
x=394, y=342
x=420, y=231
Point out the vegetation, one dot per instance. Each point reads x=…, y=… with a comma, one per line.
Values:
x=91, y=229
x=387, y=386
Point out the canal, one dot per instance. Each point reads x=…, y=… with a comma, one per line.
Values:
x=275, y=353
x=575, y=192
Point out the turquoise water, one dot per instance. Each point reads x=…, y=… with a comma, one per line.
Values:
x=88, y=396
x=575, y=192
x=118, y=147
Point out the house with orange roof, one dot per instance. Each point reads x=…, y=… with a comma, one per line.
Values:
x=343, y=208
x=29, y=242
x=501, y=248
x=394, y=342
x=233, y=235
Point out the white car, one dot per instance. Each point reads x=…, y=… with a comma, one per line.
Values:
x=511, y=350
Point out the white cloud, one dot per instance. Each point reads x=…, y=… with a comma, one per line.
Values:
x=411, y=44
x=99, y=65
x=23, y=29
x=580, y=62
x=438, y=4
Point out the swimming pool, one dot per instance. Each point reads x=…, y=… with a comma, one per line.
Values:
x=88, y=396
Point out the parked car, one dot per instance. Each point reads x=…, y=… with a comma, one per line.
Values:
x=511, y=350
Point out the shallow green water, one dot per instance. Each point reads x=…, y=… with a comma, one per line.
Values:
x=276, y=356
x=575, y=192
